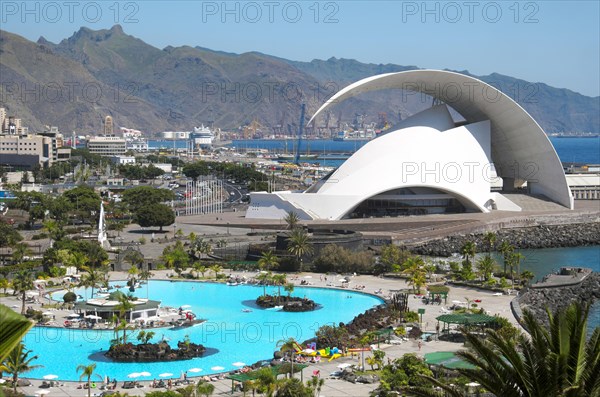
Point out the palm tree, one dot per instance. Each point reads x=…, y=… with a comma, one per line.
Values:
x=506, y=249
x=55, y=230
x=288, y=345
x=20, y=251
x=205, y=389
x=92, y=278
x=146, y=275
x=468, y=251
x=485, y=265
x=292, y=219
x=553, y=360
x=527, y=275
x=18, y=362
x=199, y=268
x=279, y=280
x=489, y=239
x=268, y=260
x=22, y=283
x=289, y=288
x=516, y=258
x=123, y=307
x=414, y=267
x=265, y=278
x=86, y=372
x=299, y=244
x=216, y=269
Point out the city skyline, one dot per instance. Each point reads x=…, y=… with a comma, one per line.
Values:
x=556, y=43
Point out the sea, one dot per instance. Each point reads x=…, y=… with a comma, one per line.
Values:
x=569, y=150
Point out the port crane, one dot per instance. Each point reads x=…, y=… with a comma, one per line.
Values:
x=300, y=130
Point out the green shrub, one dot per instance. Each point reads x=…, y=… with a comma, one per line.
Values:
x=69, y=297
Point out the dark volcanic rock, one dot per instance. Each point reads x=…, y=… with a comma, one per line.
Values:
x=538, y=300
x=289, y=303
x=573, y=235
x=151, y=352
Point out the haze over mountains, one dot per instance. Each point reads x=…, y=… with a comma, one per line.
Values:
x=76, y=83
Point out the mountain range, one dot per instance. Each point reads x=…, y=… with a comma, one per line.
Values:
x=94, y=73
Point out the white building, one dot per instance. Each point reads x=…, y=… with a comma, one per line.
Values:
x=429, y=163
x=107, y=145
x=122, y=160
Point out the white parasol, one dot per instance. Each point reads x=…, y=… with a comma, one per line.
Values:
x=165, y=375
x=195, y=370
x=50, y=377
x=238, y=364
x=217, y=368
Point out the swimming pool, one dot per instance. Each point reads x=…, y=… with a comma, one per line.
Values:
x=236, y=335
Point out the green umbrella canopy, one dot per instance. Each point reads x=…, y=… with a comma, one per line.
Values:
x=466, y=318
x=447, y=360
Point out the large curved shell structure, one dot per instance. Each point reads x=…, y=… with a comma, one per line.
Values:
x=497, y=130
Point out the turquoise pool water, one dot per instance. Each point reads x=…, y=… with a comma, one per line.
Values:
x=232, y=335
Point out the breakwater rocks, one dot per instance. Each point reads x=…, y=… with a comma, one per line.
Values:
x=558, y=297
x=150, y=352
x=548, y=236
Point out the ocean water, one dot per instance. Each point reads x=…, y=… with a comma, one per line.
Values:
x=579, y=150
x=545, y=261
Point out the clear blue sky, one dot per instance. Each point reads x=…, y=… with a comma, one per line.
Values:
x=554, y=42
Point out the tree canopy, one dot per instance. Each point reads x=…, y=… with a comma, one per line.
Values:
x=155, y=215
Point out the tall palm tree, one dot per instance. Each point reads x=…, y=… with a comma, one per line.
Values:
x=489, y=239
x=91, y=279
x=288, y=345
x=555, y=360
x=18, y=362
x=22, y=283
x=265, y=278
x=146, y=275
x=268, y=260
x=468, y=251
x=299, y=244
x=123, y=307
x=87, y=371
x=279, y=280
x=485, y=265
x=516, y=258
x=414, y=267
x=506, y=249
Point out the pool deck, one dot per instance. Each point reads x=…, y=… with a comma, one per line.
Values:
x=491, y=303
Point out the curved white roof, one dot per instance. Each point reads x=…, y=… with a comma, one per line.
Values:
x=427, y=162
x=520, y=149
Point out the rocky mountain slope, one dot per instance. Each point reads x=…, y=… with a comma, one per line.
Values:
x=74, y=84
